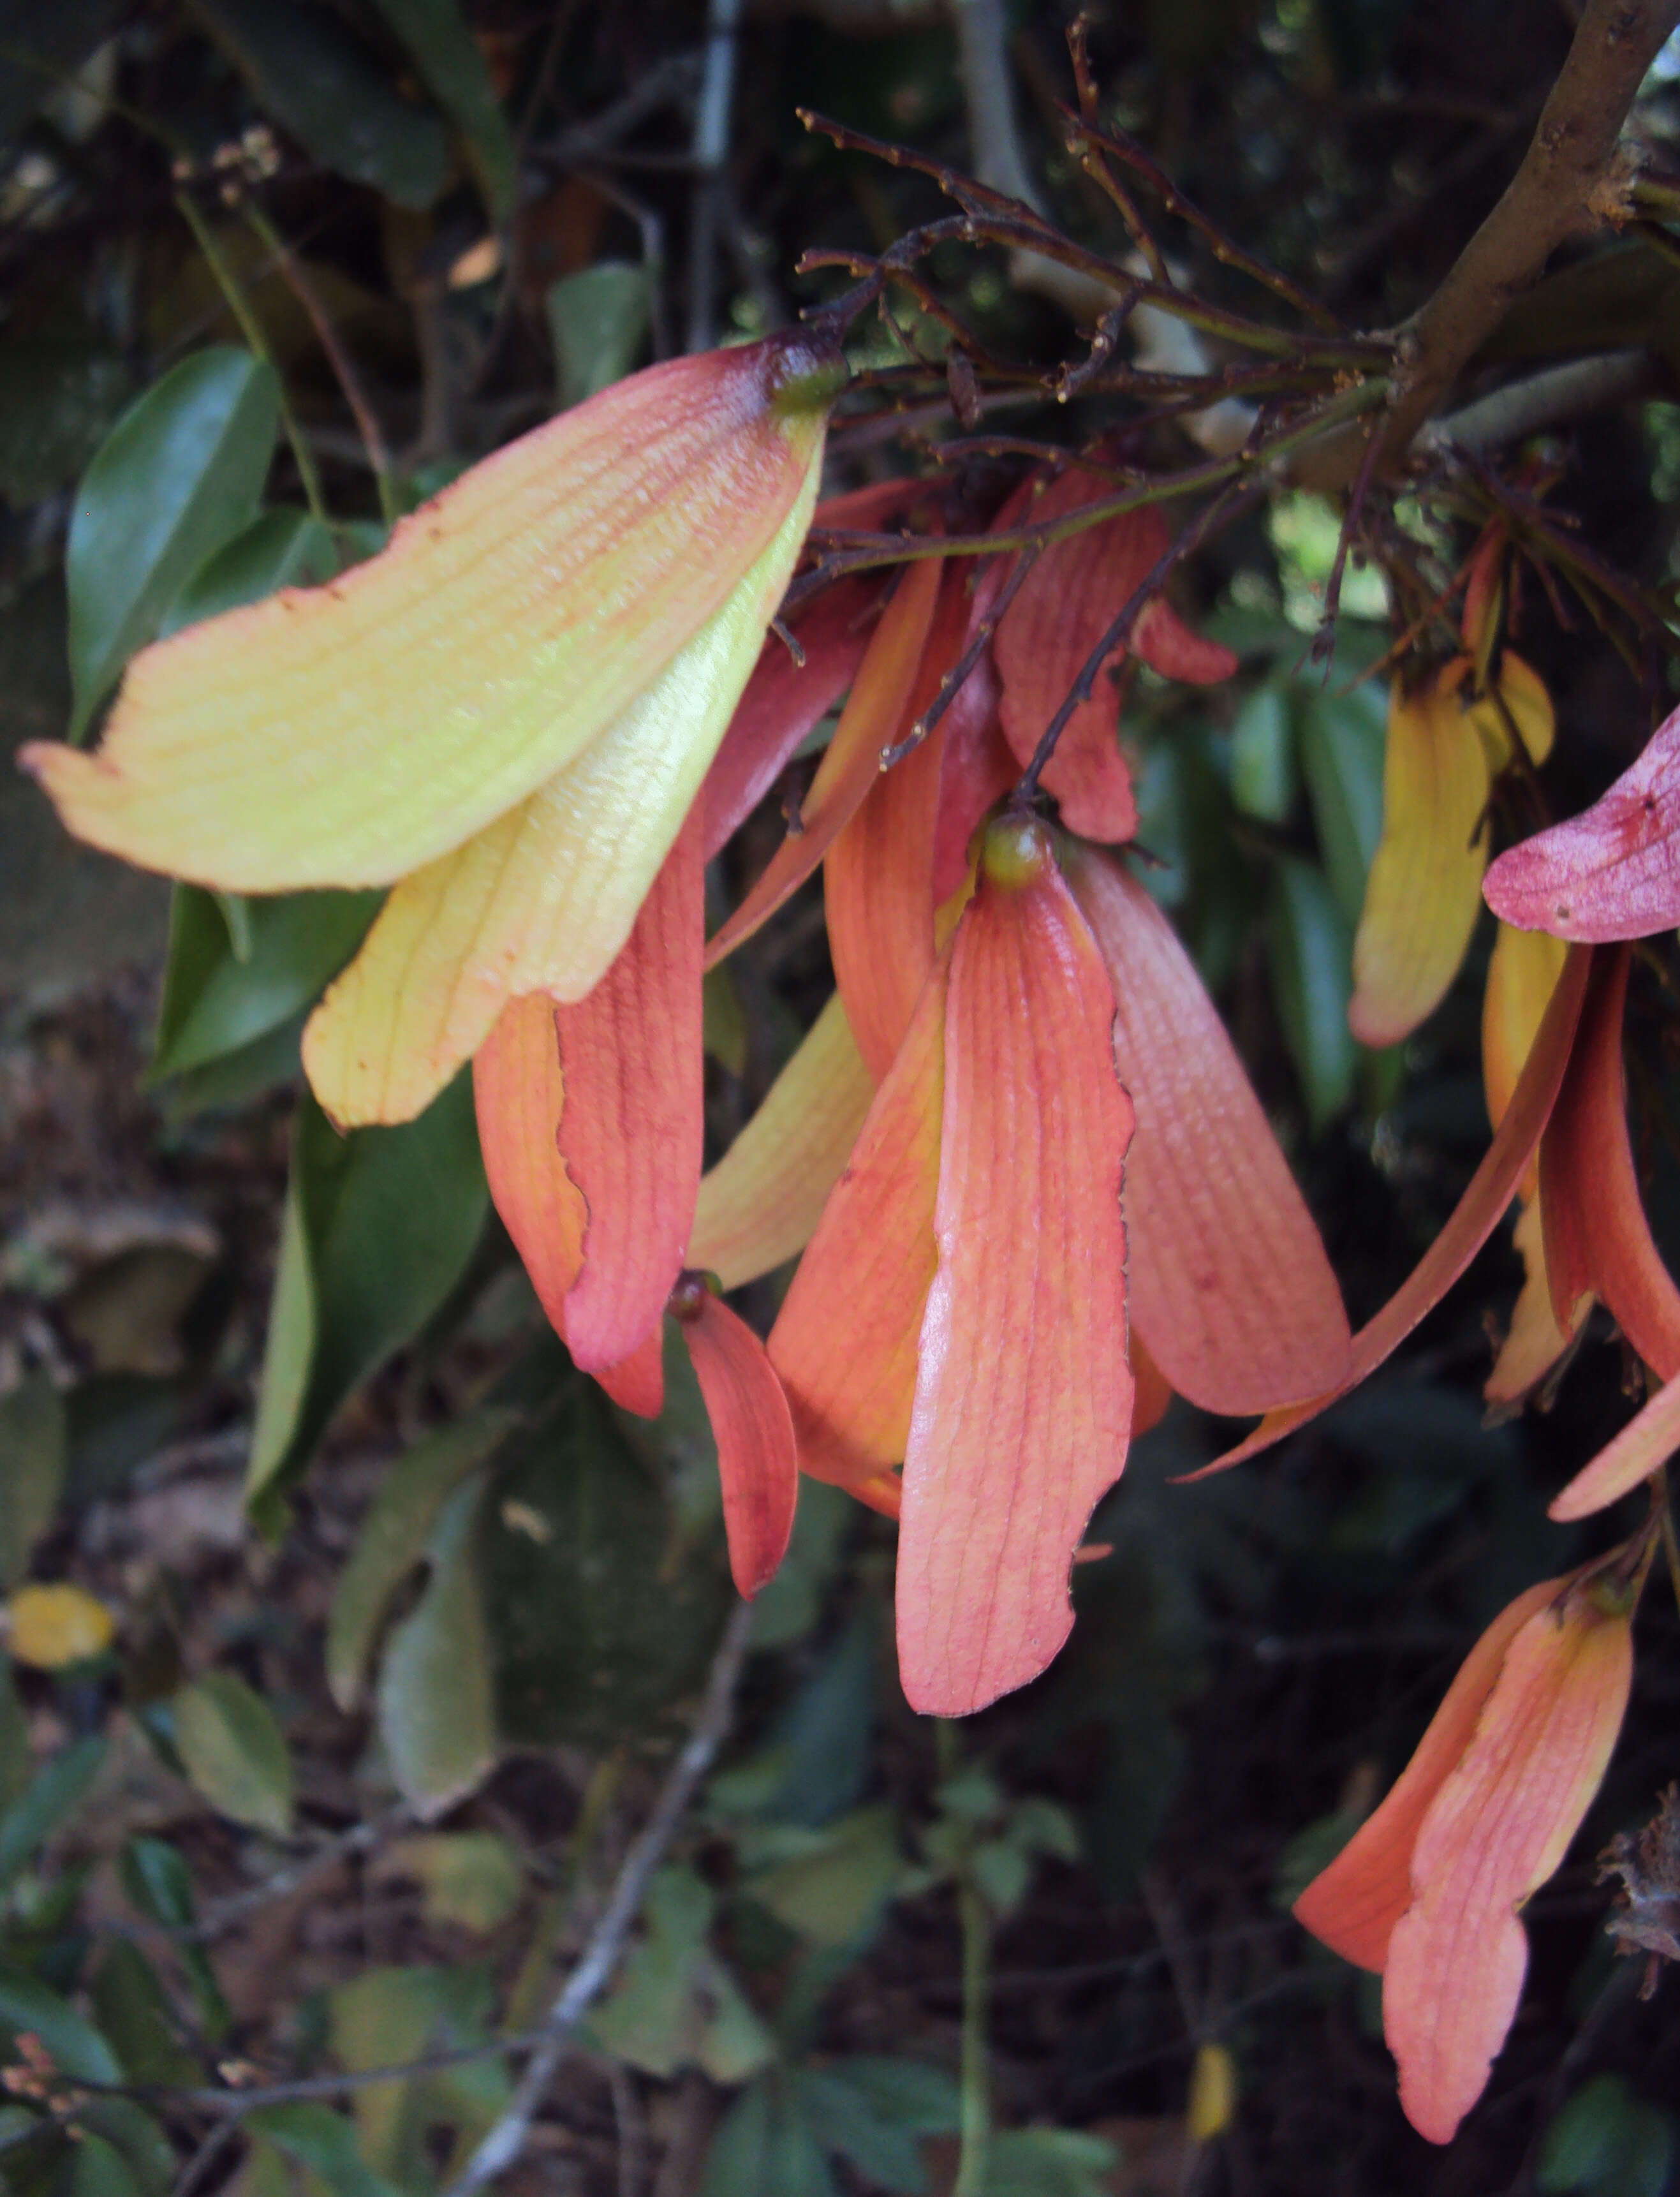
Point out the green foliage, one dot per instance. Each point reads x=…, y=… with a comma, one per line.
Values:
x=1607, y=2142
x=233, y=1751
x=378, y=1226
x=178, y=475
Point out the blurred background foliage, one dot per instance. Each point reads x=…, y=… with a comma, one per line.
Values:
x=370, y=1628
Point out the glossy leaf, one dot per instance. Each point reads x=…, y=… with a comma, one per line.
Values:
x=72, y=2043
x=215, y=1002
x=1612, y=872
x=280, y=549
x=436, y=1714
x=50, y=1799
x=1231, y=1290
x=753, y=1428
x=1598, y=1240
x=844, y=1342
x=320, y=83
x=348, y=734
x=1424, y=889
x=378, y=1229
x=1472, y=1221
x=876, y=715
x=180, y=472
x=234, y=1752
x=1500, y=1824
x=1308, y=948
x=759, y=1205
x=1023, y=1398
x=632, y=1127
x=1342, y=738
x=453, y=68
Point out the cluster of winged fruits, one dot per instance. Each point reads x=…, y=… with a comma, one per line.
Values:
x=1034, y=1190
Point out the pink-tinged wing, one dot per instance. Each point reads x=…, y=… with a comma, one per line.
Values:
x=1023, y=1396
x=1424, y=891
x=518, y=1092
x=1353, y=1905
x=1152, y=1392
x=633, y=1129
x=1612, y=872
x=1598, y=1241
x=1649, y=1440
x=1167, y=646
x=754, y=1433
x=1497, y=1829
x=1231, y=1288
x=1066, y=603
x=873, y=717
x=877, y=877
x=1472, y=1221
x=977, y=769
x=785, y=698
x=759, y=1204
x=844, y=1342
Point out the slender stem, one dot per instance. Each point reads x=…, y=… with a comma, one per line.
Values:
x=251, y=329
x=379, y=456
x=975, y=2121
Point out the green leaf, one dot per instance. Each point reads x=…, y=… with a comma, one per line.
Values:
x=52, y=1796
x=1050, y=2163
x=599, y=1623
x=452, y=67
x=1262, y=757
x=437, y=1701
x=141, y=2144
x=134, y=2015
x=180, y=472
x=379, y=1227
x=875, y=2111
x=1342, y=739
x=160, y=1884
x=73, y=2044
x=393, y=1539
x=835, y=1883
x=32, y=1452
x=387, y=2016
x=472, y=1879
x=675, y=2002
x=319, y=82
x=280, y=549
x=599, y=321
x=98, y=2169
x=1607, y=2143
x=234, y=1751
x=216, y=1002
x=765, y=2148
x=324, y=2144
x=1310, y=942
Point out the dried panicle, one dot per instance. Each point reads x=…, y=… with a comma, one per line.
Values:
x=1647, y=1918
